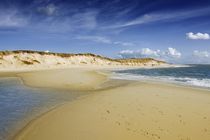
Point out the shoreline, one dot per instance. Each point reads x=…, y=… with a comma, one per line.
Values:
x=164, y=82
x=102, y=95
x=38, y=111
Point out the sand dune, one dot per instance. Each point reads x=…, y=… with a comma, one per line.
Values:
x=36, y=60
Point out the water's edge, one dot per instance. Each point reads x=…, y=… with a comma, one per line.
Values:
x=20, y=104
x=196, y=76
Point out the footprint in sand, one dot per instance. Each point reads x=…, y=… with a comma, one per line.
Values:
x=179, y=116
x=118, y=123
x=161, y=112
x=108, y=111
x=183, y=122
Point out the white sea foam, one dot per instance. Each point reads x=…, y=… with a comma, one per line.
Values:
x=201, y=83
x=205, y=83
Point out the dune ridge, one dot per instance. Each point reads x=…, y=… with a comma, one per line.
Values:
x=35, y=59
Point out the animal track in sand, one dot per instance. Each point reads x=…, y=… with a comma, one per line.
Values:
x=205, y=130
x=118, y=123
x=179, y=115
x=161, y=112
x=108, y=111
x=155, y=121
x=127, y=123
x=187, y=138
x=149, y=134
x=183, y=122
x=163, y=131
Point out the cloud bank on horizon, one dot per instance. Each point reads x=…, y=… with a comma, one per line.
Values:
x=170, y=55
x=175, y=31
x=147, y=52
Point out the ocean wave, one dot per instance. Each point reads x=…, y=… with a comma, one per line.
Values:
x=205, y=83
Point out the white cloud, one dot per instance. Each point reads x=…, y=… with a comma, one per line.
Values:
x=144, y=52
x=126, y=44
x=198, y=36
x=128, y=54
x=78, y=21
x=52, y=18
x=169, y=55
x=49, y=10
x=201, y=54
x=141, y=20
x=85, y=20
x=10, y=18
x=162, y=17
x=149, y=52
x=105, y=40
x=47, y=51
x=199, y=57
x=95, y=39
x=172, y=52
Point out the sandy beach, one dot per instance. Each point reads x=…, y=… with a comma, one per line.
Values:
x=118, y=109
x=104, y=69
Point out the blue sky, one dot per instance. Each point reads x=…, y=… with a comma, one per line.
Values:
x=173, y=30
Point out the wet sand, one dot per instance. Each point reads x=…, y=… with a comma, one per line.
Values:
x=129, y=110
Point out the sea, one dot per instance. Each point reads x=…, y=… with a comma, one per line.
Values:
x=188, y=75
x=20, y=104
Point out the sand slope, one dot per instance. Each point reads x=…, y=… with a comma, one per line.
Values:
x=72, y=79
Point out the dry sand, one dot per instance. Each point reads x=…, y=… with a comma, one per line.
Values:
x=133, y=111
